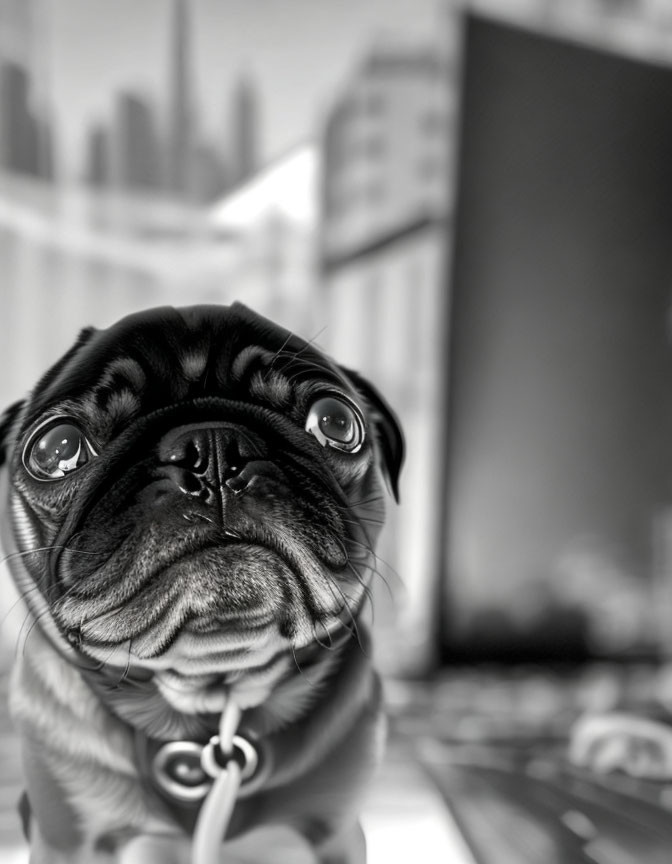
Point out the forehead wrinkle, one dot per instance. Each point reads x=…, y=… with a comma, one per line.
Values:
x=125, y=368
x=122, y=405
x=293, y=364
x=193, y=363
x=245, y=358
x=273, y=386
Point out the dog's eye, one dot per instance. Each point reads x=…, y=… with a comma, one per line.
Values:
x=56, y=451
x=336, y=423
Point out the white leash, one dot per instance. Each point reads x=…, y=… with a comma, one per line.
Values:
x=216, y=810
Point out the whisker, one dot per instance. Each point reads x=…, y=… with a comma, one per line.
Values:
x=25, y=553
x=20, y=598
x=365, y=502
x=127, y=668
x=369, y=520
x=316, y=638
x=348, y=604
x=277, y=354
x=292, y=356
x=302, y=672
x=376, y=558
x=307, y=365
x=309, y=343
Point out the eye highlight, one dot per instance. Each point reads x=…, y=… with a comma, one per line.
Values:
x=336, y=422
x=57, y=448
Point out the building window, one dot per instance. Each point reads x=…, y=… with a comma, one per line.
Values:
x=375, y=103
x=375, y=146
x=433, y=122
x=375, y=192
x=430, y=168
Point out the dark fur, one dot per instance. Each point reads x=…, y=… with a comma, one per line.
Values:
x=203, y=546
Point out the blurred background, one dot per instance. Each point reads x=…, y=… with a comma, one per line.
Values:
x=470, y=201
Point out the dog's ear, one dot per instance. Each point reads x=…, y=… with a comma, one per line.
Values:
x=7, y=419
x=388, y=429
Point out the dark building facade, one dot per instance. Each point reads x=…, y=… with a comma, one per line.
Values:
x=181, y=132
x=138, y=157
x=25, y=137
x=243, y=153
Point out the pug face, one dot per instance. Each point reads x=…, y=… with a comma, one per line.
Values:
x=198, y=492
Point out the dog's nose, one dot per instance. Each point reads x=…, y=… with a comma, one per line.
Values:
x=201, y=459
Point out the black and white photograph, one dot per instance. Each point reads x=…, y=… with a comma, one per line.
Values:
x=335, y=431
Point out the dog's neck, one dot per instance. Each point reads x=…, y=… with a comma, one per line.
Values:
x=120, y=724
x=164, y=705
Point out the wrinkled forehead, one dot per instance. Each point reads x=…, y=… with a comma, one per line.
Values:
x=167, y=355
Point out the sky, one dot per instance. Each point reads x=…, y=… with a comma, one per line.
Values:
x=298, y=52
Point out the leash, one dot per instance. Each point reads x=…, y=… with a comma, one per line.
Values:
x=225, y=764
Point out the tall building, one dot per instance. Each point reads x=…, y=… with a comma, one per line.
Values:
x=384, y=202
x=181, y=132
x=26, y=144
x=385, y=148
x=97, y=168
x=17, y=30
x=210, y=179
x=243, y=132
x=136, y=146
x=19, y=151
x=25, y=139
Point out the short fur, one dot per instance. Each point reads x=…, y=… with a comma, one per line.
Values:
x=202, y=545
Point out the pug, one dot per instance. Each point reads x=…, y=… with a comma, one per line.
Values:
x=190, y=505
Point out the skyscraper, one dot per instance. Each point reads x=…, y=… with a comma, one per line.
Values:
x=25, y=131
x=17, y=30
x=243, y=133
x=385, y=148
x=136, y=146
x=97, y=168
x=20, y=144
x=180, y=132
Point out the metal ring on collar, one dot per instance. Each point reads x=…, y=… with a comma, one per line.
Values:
x=244, y=753
x=177, y=769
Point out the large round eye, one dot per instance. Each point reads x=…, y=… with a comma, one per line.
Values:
x=56, y=450
x=337, y=423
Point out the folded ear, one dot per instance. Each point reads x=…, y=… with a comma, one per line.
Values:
x=388, y=430
x=7, y=419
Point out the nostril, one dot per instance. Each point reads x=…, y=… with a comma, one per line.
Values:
x=189, y=484
x=190, y=457
x=236, y=456
x=236, y=481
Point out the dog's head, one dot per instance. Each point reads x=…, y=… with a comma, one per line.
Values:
x=195, y=483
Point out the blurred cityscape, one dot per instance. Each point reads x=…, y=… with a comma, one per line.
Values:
x=350, y=237
x=345, y=237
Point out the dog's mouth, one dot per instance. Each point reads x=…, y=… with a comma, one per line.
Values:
x=205, y=584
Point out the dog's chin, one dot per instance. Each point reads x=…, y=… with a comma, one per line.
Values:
x=197, y=671
x=204, y=611
x=202, y=622
x=202, y=666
